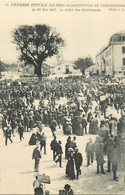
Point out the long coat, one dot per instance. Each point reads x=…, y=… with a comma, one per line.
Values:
x=68, y=129
x=100, y=158
x=109, y=152
x=70, y=168
x=91, y=121
x=89, y=148
x=115, y=156
x=95, y=127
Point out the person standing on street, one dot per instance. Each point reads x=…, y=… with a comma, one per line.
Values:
x=7, y=134
x=70, y=172
x=115, y=161
x=43, y=142
x=78, y=161
x=67, y=146
x=53, y=125
x=36, y=156
x=84, y=124
x=59, y=153
x=99, y=155
x=109, y=153
x=89, y=152
x=20, y=131
x=53, y=146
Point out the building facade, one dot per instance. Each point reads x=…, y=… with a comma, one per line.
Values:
x=111, y=59
x=66, y=67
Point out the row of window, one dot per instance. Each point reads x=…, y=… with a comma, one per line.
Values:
x=117, y=38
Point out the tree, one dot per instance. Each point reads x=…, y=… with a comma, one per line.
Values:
x=83, y=64
x=6, y=67
x=36, y=44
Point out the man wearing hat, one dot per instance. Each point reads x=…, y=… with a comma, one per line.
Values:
x=78, y=161
x=59, y=153
x=36, y=156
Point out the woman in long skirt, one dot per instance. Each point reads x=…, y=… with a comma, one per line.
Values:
x=70, y=166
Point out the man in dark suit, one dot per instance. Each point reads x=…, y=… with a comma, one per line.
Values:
x=53, y=146
x=78, y=161
x=59, y=153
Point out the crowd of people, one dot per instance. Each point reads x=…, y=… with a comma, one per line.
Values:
x=76, y=105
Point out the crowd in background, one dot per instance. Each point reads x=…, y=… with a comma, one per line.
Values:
x=69, y=102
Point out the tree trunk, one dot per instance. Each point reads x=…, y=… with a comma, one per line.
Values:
x=38, y=71
x=35, y=70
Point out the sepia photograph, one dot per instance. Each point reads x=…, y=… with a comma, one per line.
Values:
x=62, y=97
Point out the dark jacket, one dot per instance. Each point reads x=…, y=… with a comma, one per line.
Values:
x=43, y=140
x=84, y=122
x=20, y=129
x=78, y=158
x=36, y=154
x=59, y=149
x=4, y=123
x=53, y=145
x=7, y=133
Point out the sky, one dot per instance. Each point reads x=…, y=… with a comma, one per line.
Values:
x=85, y=33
